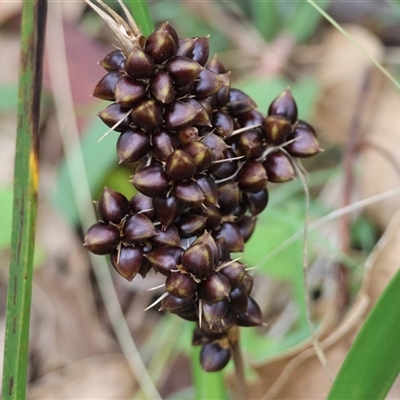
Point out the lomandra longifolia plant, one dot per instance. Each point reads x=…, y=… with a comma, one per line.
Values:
x=205, y=156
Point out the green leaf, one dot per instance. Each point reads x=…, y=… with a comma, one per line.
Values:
x=373, y=362
x=6, y=201
x=141, y=14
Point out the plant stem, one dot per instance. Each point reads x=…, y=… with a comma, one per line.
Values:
x=234, y=340
x=26, y=179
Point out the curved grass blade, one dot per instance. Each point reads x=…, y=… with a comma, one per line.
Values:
x=373, y=362
x=26, y=178
x=141, y=13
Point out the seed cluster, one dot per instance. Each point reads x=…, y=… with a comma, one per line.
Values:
x=205, y=156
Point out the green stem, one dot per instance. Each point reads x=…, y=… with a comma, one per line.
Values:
x=26, y=177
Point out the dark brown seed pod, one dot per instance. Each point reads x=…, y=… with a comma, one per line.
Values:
x=190, y=314
x=222, y=96
x=279, y=167
x=246, y=226
x=223, y=249
x=276, y=128
x=189, y=193
x=239, y=103
x=214, y=312
x=152, y=181
x=178, y=115
x=207, y=239
x=213, y=217
x=216, y=66
x=164, y=143
x=167, y=27
x=247, y=283
x=201, y=336
x=238, y=300
x=215, y=287
x=225, y=166
x=127, y=261
x=216, y=144
x=167, y=209
x=143, y=204
x=234, y=271
x=185, y=47
x=105, y=89
x=114, y=61
x=180, y=165
x=256, y=201
x=201, y=50
x=305, y=143
x=200, y=154
x=160, y=46
x=128, y=91
x=252, y=316
x=183, y=70
x=284, y=105
x=139, y=65
x=232, y=235
x=190, y=224
x=240, y=211
x=202, y=116
x=228, y=197
x=112, y=206
x=138, y=228
x=207, y=84
x=224, y=324
x=132, y=145
x=223, y=124
x=181, y=285
x=166, y=237
x=209, y=189
x=251, y=144
x=188, y=134
x=114, y=114
x=176, y=304
x=213, y=357
x=252, y=177
x=250, y=118
x=148, y=115
x=101, y=238
x=198, y=260
x=145, y=267
x=165, y=259
x=162, y=87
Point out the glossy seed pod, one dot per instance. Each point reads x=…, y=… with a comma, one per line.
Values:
x=305, y=143
x=250, y=118
x=114, y=61
x=238, y=300
x=101, y=238
x=152, y=181
x=160, y=46
x=279, y=167
x=145, y=267
x=252, y=177
x=224, y=324
x=186, y=47
x=112, y=206
x=222, y=96
x=189, y=193
x=228, y=196
x=216, y=144
x=166, y=237
x=234, y=271
x=247, y=283
x=167, y=209
x=132, y=145
x=128, y=91
x=256, y=201
x=198, y=260
x=251, y=144
x=276, y=128
x=188, y=134
x=165, y=259
x=207, y=239
x=190, y=224
x=202, y=116
x=212, y=313
x=162, y=87
x=183, y=70
x=252, y=316
x=180, y=165
x=164, y=143
x=105, y=89
x=139, y=65
x=213, y=217
x=115, y=114
x=232, y=235
x=176, y=304
x=200, y=154
x=213, y=357
x=239, y=103
x=223, y=124
x=209, y=189
x=216, y=66
x=138, y=228
x=215, y=287
x=284, y=105
x=240, y=211
x=201, y=50
x=148, y=115
x=225, y=166
x=201, y=337
x=127, y=261
x=207, y=83
x=143, y=204
x=223, y=249
x=178, y=115
x=181, y=285
x=190, y=314
x=246, y=226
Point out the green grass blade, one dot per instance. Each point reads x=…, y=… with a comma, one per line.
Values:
x=208, y=385
x=373, y=362
x=141, y=13
x=26, y=178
